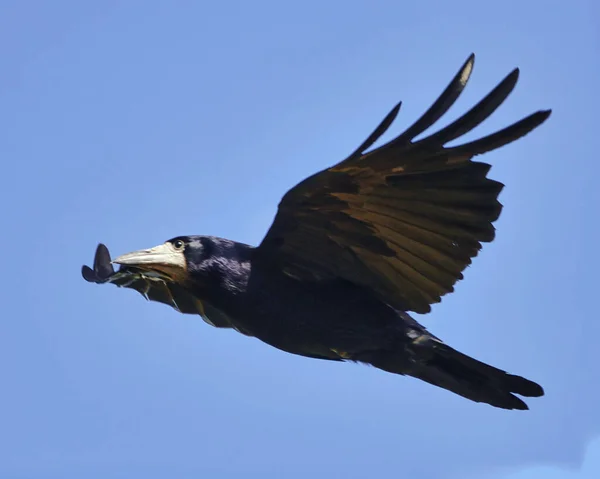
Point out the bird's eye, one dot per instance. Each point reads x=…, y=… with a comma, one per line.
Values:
x=178, y=244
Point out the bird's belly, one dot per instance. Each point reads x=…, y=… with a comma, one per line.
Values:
x=324, y=321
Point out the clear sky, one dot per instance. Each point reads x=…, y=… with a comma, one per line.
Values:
x=135, y=121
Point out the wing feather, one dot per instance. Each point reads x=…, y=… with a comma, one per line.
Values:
x=404, y=219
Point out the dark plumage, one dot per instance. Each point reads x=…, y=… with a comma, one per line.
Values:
x=352, y=249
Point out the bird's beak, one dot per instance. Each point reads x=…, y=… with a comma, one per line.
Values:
x=163, y=258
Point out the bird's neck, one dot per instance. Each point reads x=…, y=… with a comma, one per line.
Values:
x=223, y=279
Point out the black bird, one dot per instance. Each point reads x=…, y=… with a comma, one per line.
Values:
x=351, y=250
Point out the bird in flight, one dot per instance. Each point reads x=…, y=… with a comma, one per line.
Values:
x=352, y=250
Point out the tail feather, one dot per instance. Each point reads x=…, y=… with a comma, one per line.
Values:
x=474, y=379
x=439, y=364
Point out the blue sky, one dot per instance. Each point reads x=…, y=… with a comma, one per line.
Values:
x=132, y=122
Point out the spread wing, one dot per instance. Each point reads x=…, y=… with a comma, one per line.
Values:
x=152, y=287
x=404, y=219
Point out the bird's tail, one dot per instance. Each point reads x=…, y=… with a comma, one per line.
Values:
x=440, y=365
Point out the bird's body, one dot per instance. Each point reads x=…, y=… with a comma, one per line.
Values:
x=296, y=316
x=352, y=250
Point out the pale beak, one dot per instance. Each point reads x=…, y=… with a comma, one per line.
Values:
x=163, y=258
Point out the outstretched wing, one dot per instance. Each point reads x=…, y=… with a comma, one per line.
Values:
x=406, y=218
x=152, y=287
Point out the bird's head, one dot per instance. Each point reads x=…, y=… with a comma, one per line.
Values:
x=190, y=259
x=173, y=260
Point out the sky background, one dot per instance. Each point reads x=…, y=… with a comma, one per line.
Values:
x=135, y=121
